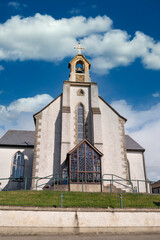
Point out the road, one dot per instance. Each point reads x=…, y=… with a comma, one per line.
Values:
x=86, y=237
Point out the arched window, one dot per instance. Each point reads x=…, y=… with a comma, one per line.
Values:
x=80, y=67
x=80, y=123
x=18, y=165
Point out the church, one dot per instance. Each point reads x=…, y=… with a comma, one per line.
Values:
x=79, y=139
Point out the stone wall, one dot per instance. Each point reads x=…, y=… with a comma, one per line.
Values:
x=40, y=220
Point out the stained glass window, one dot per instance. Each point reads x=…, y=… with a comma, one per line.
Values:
x=89, y=160
x=85, y=164
x=80, y=123
x=18, y=165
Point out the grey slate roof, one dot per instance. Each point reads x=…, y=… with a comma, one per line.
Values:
x=18, y=138
x=26, y=138
x=156, y=182
x=132, y=144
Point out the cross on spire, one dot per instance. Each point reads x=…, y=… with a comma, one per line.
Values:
x=79, y=48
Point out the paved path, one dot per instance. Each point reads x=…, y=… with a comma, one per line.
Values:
x=86, y=237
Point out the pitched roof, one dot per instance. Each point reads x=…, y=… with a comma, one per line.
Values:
x=112, y=108
x=132, y=145
x=76, y=57
x=18, y=138
x=155, y=184
x=26, y=138
x=47, y=105
x=85, y=140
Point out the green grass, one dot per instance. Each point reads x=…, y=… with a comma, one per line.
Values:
x=77, y=199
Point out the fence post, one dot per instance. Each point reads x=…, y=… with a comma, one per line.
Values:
x=132, y=188
x=110, y=186
x=61, y=200
x=54, y=185
x=82, y=183
x=25, y=183
x=121, y=197
x=138, y=186
x=36, y=184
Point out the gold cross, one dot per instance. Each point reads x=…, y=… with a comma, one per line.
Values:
x=79, y=48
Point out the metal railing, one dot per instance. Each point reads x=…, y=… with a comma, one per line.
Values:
x=57, y=199
x=66, y=192
x=51, y=181
x=118, y=181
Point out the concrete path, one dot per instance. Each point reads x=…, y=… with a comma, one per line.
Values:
x=86, y=237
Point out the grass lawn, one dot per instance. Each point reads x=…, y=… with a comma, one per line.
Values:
x=77, y=199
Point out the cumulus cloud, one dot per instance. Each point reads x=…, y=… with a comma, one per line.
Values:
x=116, y=48
x=18, y=115
x=1, y=68
x=43, y=37
x=144, y=126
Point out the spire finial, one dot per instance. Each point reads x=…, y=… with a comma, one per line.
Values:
x=79, y=48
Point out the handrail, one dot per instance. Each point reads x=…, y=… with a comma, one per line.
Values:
x=120, y=179
x=51, y=176
x=117, y=180
x=63, y=178
x=115, y=176
x=124, y=185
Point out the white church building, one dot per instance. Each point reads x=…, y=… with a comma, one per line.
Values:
x=79, y=138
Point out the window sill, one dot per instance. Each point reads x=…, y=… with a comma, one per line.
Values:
x=17, y=179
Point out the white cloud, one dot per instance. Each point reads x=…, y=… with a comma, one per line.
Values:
x=144, y=127
x=18, y=115
x=116, y=48
x=43, y=37
x=16, y=5
x=156, y=94
x=1, y=68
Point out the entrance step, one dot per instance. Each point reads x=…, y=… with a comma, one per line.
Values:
x=114, y=189
x=56, y=188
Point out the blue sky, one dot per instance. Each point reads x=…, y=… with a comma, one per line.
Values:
x=122, y=41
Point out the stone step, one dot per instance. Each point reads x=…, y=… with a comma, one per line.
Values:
x=114, y=189
x=65, y=187
x=57, y=188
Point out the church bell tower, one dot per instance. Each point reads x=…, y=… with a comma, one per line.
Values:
x=79, y=67
x=81, y=114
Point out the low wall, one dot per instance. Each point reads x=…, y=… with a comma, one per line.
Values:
x=85, y=188
x=49, y=220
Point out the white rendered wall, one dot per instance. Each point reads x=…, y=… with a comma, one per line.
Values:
x=74, y=102
x=137, y=169
x=96, y=119
x=6, y=161
x=50, y=137
x=113, y=159
x=83, y=220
